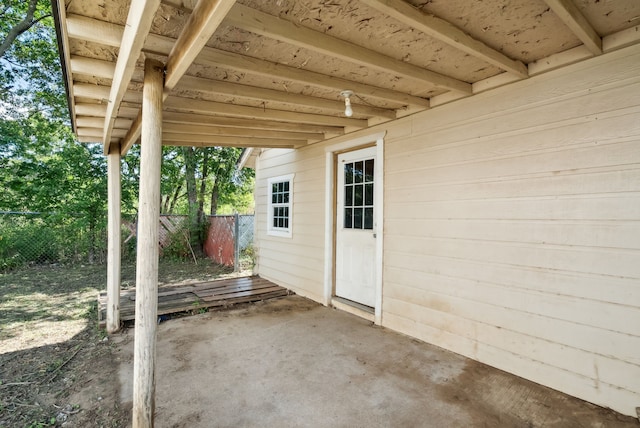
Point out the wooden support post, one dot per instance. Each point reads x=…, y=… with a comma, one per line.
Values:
x=113, y=246
x=147, y=252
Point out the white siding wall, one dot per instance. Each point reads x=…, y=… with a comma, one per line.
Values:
x=297, y=262
x=512, y=228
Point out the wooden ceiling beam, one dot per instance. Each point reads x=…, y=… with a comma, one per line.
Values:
x=97, y=132
x=230, y=140
x=446, y=32
x=104, y=33
x=202, y=23
x=569, y=13
x=98, y=68
x=81, y=28
x=280, y=29
x=94, y=30
x=263, y=94
x=224, y=109
x=139, y=20
x=92, y=67
x=252, y=143
x=98, y=122
x=101, y=93
x=235, y=122
x=238, y=132
x=99, y=110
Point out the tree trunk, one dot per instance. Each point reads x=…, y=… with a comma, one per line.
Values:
x=215, y=193
x=165, y=204
x=190, y=175
x=192, y=196
x=21, y=27
x=203, y=184
x=92, y=239
x=176, y=195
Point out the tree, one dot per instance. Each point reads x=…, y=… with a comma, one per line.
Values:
x=29, y=20
x=210, y=175
x=43, y=167
x=30, y=77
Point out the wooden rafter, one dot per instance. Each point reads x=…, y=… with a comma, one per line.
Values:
x=139, y=22
x=217, y=140
x=575, y=20
x=208, y=86
x=219, y=58
x=203, y=22
x=101, y=93
x=273, y=27
x=82, y=28
x=207, y=16
x=98, y=122
x=264, y=94
x=446, y=32
x=92, y=67
x=242, y=144
x=199, y=119
x=224, y=109
x=187, y=128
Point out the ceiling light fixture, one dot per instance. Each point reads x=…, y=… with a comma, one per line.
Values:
x=348, y=111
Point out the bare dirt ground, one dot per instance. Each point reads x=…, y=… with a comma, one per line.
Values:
x=284, y=362
x=56, y=367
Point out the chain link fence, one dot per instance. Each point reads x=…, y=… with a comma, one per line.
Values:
x=31, y=238
x=28, y=238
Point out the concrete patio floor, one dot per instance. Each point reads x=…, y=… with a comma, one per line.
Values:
x=290, y=362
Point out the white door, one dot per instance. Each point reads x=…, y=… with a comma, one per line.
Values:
x=355, y=227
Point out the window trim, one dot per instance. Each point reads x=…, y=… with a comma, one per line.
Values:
x=280, y=231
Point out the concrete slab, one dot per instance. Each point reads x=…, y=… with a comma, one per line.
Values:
x=293, y=363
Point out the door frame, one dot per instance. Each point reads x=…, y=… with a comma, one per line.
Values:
x=331, y=156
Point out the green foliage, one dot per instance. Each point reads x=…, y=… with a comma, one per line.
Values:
x=234, y=187
x=46, y=239
x=30, y=74
x=44, y=169
x=179, y=245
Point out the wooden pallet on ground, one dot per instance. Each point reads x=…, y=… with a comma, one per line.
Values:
x=194, y=297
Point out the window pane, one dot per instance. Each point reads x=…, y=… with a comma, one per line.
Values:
x=357, y=195
x=274, y=198
x=286, y=222
x=285, y=186
x=280, y=187
x=348, y=218
x=280, y=222
x=368, y=218
x=348, y=196
x=368, y=170
x=285, y=198
x=368, y=194
x=358, y=171
x=357, y=218
x=274, y=188
x=348, y=173
x=285, y=211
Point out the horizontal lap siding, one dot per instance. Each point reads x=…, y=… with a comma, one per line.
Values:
x=295, y=263
x=512, y=229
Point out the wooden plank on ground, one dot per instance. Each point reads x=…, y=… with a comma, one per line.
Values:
x=193, y=297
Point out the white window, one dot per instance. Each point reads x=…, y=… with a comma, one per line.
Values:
x=280, y=206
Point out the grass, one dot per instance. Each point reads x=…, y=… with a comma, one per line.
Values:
x=50, y=345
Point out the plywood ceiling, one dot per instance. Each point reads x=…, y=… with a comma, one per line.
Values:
x=255, y=73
